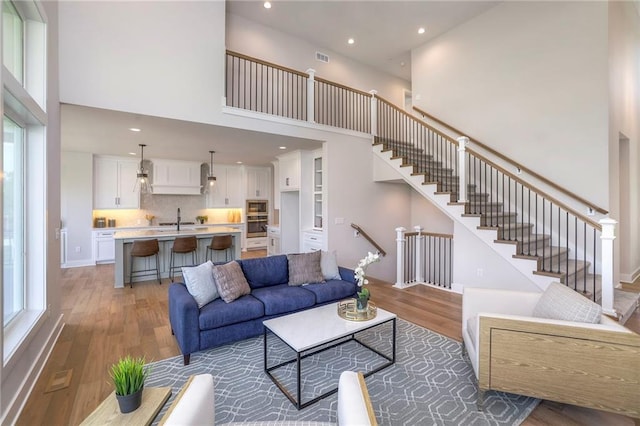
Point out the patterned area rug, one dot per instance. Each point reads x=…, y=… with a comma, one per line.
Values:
x=430, y=383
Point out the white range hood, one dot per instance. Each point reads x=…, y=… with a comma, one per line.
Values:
x=176, y=177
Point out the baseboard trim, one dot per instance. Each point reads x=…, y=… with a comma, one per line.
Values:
x=15, y=407
x=630, y=278
x=78, y=264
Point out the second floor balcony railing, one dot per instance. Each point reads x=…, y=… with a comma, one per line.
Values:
x=265, y=87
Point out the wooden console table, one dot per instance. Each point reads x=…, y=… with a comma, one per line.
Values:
x=108, y=412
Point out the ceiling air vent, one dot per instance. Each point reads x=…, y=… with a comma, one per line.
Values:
x=322, y=57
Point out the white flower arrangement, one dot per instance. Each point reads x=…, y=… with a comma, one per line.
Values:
x=359, y=272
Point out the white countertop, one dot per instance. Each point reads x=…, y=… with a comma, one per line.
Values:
x=156, y=227
x=172, y=232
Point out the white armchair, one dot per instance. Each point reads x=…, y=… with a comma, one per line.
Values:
x=194, y=405
x=585, y=364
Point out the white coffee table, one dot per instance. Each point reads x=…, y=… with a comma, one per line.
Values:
x=316, y=330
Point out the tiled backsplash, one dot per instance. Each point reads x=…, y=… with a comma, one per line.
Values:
x=165, y=208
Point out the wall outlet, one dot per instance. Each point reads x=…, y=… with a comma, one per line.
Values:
x=78, y=249
x=479, y=272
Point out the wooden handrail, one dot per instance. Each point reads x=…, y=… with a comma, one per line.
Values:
x=428, y=234
x=543, y=194
x=416, y=119
x=341, y=86
x=270, y=64
x=520, y=166
x=368, y=238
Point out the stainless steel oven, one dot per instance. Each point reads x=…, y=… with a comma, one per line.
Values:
x=257, y=225
x=257, y=218
x=257, y=207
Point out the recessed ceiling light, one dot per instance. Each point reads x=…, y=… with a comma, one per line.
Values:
x=238, y=162
x=132, y=153
x=267, y=5
x=135, y=129
x=351, y=41
x=421, y=30
x=283, y=147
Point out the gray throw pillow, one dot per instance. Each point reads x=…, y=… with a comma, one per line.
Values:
x=230, y=281
x=329, y=265
x=199, y=282
x=560, y=302
x=305, y=268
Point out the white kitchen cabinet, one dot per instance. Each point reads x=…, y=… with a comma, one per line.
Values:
x=317, y=193
x=228, y=192
x=176, y=177
x=104, y=248
x=312, y=241
x=276, y=185
x=289, y=171
x=273, y=241
x=256, y=243
x=258, y=183
x=113, y=182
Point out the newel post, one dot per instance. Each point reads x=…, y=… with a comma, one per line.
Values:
x=418, y=253
x=400, y=244
x=463, y=141
x=374, y=113
x=311, y=115
x=606, y=237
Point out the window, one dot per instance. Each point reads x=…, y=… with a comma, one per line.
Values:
x=13, y=219
x=23, y=174
x=12, y=40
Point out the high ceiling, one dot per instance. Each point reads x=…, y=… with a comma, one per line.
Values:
x=384, y=33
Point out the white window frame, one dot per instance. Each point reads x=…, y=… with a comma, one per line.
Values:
x=25, y=104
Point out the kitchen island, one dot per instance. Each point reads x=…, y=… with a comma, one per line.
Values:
x=124, y=242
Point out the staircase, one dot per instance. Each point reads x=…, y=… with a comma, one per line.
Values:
x=544, y=238
x=542, y=254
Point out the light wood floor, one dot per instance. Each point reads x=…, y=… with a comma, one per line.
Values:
x=103, y=323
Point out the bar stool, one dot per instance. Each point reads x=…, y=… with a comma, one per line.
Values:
x=183, y=245
x=220, y=242
x=144, y=248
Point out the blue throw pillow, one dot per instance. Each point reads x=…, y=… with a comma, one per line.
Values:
x=266, y=271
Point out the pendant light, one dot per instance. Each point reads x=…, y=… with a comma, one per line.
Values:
x=142, y=181
x=211, y=179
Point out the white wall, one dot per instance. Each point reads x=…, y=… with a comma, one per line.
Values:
x=529, y=79
x=624, y=121
x=156, y=58
x=253, y=39
x=428, y=215
x=19, y=377
x=77, y=205
x=477, y=265
x=378, y=208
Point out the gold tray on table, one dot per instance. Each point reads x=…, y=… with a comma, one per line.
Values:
x=347, y=310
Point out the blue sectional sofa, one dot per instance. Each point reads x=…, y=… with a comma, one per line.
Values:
x=218, y=322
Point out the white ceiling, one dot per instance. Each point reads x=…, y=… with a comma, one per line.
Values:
x=385, y=32
x=102, y=131
x=325, y=23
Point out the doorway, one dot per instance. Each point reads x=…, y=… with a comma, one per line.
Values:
x=624, y=230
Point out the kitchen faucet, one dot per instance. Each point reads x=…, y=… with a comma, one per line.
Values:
x=178, y=219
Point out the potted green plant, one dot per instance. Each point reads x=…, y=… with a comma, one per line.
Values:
x=202, y=219
x=128, y=376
